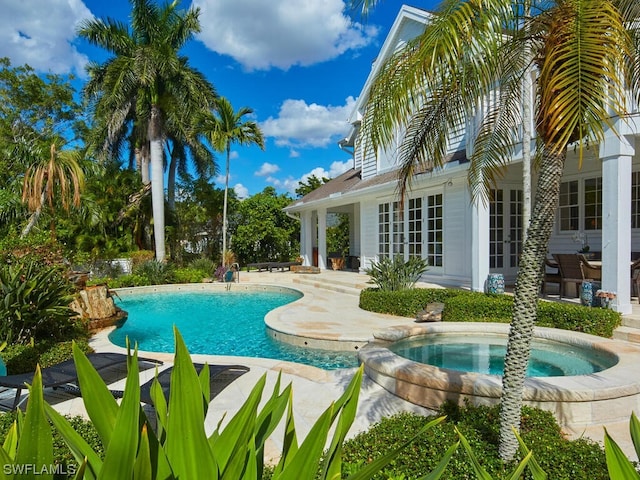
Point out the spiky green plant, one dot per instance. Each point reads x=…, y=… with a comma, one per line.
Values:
x=396, y=274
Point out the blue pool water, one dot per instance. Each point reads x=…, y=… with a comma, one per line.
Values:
x=216, y=323
x=485, y=354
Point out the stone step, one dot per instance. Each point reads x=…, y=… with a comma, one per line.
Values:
x=629, y=334
x=333, y=286
x=632, y=322
x=336, y=280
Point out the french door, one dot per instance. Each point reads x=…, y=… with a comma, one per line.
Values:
x=505, y=231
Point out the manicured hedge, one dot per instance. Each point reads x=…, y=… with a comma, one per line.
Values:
x=464, y=306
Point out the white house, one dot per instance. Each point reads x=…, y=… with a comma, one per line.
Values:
x=462, y=240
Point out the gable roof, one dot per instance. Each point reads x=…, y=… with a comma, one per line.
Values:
x=406, y=16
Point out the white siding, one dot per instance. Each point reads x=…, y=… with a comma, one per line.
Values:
x=369, y=232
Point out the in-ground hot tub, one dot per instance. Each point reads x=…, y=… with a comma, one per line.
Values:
x=576, y=401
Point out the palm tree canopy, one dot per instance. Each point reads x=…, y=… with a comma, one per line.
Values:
x=450, y=73
x=61, y=174
x=145, y=69
x=226, y=126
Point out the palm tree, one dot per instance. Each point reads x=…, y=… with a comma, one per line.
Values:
x=148, y=75
x=223, y=128
x=585, y=55
x=58, y=178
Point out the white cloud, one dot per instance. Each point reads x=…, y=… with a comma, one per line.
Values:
x=301, y=125
x=290, y=184
x=241, y=191
x=40, y=33
x=267, y=169
x=263, y=34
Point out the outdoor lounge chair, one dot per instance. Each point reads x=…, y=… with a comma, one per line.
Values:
x=64, y=373
x=571, y=271
x=220, y=376
x=281, y=266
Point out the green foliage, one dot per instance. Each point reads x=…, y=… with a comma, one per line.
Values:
x=188, y=275
x=23, y=358
x=596, y=321
x=157, y=273
x=20, y=358
x=395, y=274
x=205, y=265
x=179, y=446
x=464, y=306
x=312, y=183
x=139, y=257
x=558, y=457
x=261, y=231
x=404, y=303
x=61, y=453
x=338, y=235
x=618, y=463
x=34, y=302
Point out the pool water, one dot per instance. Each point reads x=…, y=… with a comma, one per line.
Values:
x=485, y=354
x=216, y=323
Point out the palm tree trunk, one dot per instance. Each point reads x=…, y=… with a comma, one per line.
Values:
x=171, y=182
x=224, y=208
x=35, y=216
x=526, y=297
x=144, y=165
x=157, y=182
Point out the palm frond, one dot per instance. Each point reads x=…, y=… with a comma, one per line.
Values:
x=580, y=86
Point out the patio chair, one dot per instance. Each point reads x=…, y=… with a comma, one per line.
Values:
x=571, y=272
x=594, y=272
x=220, y=377
x=65, y=373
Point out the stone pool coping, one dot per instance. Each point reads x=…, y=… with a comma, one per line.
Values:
x=576, y=401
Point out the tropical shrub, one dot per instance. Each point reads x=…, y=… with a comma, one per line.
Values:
x=157, y=273
x=34, y=302
x=618, y=463
x=62, y=455
x=206, y=265
x=179, y=446
x=188, y=275
x=558, y=457
x=396, y=274
x=140, y=256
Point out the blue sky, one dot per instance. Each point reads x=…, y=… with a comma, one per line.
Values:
x=299, y=64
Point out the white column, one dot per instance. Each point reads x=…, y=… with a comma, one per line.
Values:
x=306, y=237
x=616, y=155
x=322, y=238
x=479, y=245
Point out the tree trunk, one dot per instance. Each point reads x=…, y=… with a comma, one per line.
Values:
x=157, y=182
x=171, y=182
x=144, y=165
x=526, y=298
x=35, y=216
x=224, y=208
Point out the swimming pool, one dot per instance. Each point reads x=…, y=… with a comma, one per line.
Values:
x=216, y=323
